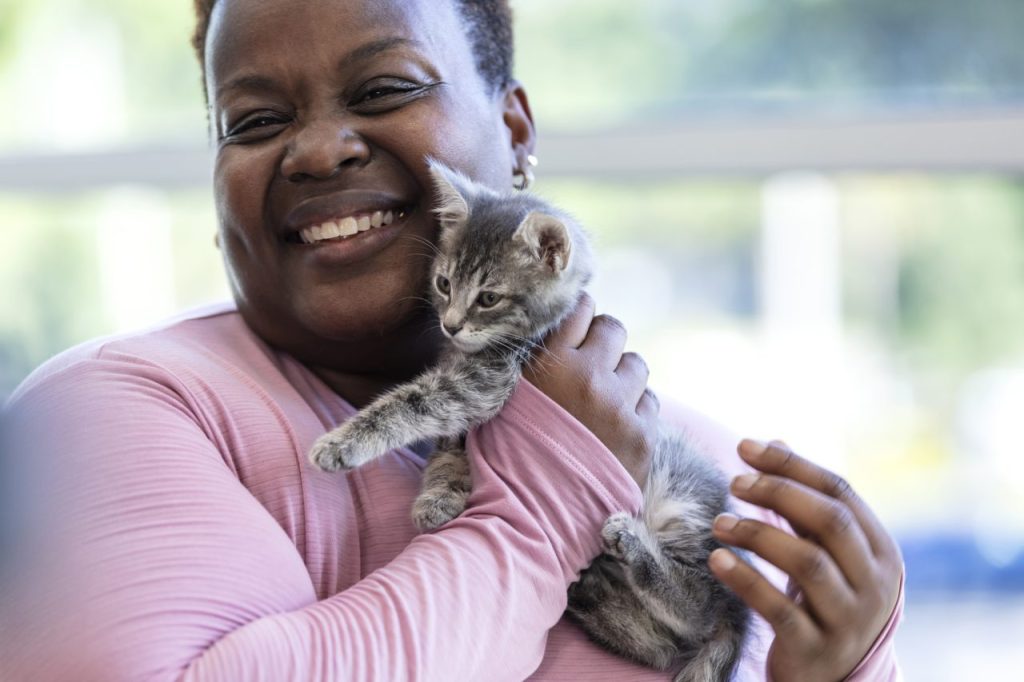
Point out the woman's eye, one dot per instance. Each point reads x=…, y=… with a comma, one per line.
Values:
x=255, y=124
x=443, y=285
x=386, y=95
x=488, y=299
x=383, y=91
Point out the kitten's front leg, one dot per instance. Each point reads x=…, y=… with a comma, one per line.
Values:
x=445, y=490
x=359, y=440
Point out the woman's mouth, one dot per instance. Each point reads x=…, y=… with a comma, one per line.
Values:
x=343, y=228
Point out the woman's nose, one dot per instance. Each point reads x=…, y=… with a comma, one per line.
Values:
x=320, y=149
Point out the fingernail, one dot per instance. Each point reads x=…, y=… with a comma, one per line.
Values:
x=752, y=448
x=726, y=521
x=722, y=559
x=744, y=482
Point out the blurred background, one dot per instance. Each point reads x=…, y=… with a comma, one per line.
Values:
x=809, y=213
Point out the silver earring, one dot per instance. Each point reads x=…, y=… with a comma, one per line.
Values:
x=523, y=177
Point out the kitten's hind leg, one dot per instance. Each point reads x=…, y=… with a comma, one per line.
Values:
x=610, y=612
x=646, y=568
x=681, y=598
x=446, y=487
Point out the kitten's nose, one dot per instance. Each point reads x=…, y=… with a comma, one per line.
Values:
x=452, y=331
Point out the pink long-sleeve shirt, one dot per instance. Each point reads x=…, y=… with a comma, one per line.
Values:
x=189, y=538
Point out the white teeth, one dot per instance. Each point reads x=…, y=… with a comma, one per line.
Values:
x=348, y=226
x=330, y=230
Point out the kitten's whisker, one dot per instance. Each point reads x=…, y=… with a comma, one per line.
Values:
x=421, y=299
x=528, y=345
x=426, y=242
x=556, y=359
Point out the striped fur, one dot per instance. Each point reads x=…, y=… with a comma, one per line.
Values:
x=509, y=268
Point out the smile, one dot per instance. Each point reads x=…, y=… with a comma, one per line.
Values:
x=347, y=226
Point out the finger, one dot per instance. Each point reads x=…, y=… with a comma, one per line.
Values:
x=828, y=521
x=606, y=338
x=777, y=458
x=829, y=598
x=573, y=329
x=788, y=620
x=633, y=372
x=648, y=406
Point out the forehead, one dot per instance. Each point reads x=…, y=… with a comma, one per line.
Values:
x=288, y=36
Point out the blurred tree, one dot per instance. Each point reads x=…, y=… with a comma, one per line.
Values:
x=962, y=276
x=589, y=62
x=883, y=51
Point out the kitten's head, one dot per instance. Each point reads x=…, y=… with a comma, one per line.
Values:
x=509, y=266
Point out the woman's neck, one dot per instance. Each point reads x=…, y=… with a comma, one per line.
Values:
x=358, y=389
x=373, y=368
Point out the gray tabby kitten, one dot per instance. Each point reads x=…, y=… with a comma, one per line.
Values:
x=509, y=268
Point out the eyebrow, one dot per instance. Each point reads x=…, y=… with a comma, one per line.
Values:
x=372, y=49
x=361, y=53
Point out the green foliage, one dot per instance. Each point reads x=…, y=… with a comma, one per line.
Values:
x=52, y=272
x=962, y=279
x=11, y=18
x=49, y=272
x=885, y=49
x=592, y=62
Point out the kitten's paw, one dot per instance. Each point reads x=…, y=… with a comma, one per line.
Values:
x=339, y=450
x=328, y=453
x=433, y=510
x=618, y=536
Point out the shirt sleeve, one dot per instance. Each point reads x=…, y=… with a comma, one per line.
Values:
x=880, y=663
x=159, y=564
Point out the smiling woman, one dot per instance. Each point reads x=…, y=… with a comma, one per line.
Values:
x=185, y=525
x=331, y=120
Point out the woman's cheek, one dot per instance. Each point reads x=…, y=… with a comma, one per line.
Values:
x=242, y=177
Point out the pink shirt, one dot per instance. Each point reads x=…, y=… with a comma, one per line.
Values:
x=191, y=539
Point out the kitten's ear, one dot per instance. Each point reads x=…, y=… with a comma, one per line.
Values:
x=548, y=239
x=452, y=190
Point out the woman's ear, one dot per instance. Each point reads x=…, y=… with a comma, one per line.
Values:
x=519, y=121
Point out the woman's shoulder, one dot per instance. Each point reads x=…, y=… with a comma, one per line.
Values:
x=175, y=346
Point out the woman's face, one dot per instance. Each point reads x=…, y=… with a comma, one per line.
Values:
x=324, y=111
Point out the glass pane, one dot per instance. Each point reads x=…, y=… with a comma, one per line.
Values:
x=99, y=263
x=598, y=62
x=88, y=74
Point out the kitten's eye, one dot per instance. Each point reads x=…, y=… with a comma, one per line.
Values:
x=487, y=299
x=443, y=285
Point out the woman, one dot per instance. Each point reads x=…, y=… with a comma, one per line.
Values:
x=192, y=539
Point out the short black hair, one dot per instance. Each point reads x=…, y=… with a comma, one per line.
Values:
x=488, y=25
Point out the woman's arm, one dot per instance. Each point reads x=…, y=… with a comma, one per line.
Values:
x=161, y=564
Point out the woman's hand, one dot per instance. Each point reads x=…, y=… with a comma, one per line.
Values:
x=844, y=567
x=582, y=368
